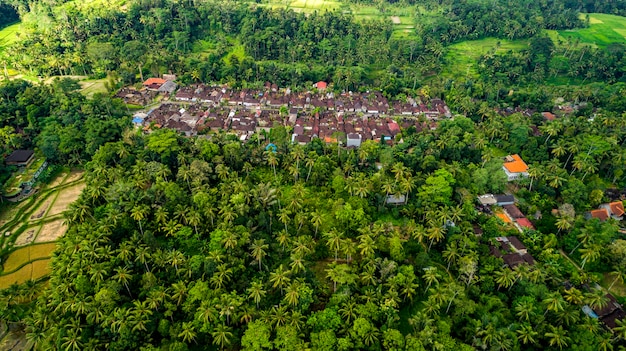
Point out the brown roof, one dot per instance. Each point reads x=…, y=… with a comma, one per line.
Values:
x=516, y=243
x=513, y=211
x=513, y=259
x=617, y=208
x=601, y=214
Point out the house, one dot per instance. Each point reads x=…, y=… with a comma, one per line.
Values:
x=503, y=199
x=602, y=214
x=20, y=158
x=609, y=313
x=513, y=211
x=614, y=209
x=153, y=83
x=395, y=199
x=487, y=200
x=515, y=167
x=548, y=116
x=138, y=119
x=321, y=85
x=354, y=139
x=512, y=251
x=167, y=87
x=524, y=223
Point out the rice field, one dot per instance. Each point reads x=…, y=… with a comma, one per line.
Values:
x=28, y=253
x=8, y=35
x=462, y=58
x=603, y=30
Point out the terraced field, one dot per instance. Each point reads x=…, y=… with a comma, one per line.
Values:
x=35, y=224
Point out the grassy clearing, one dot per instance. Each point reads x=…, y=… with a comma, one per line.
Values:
x=237, y=51
x=91, y=87
x=8, y=35
x=603, y=30
x=618, y=289
x=463, y=57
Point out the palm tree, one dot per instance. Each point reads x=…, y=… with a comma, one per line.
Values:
x=435, y=234
x=259, y=248
x=554, y=302
x=272, y=160
x=526, y=334
x=284, y=215
x=525, y=309
x=619, y=275
x=333, y=241
x=194, y=219
x=430, y=276
x=620, y=329
x=367, y=245
x=123, y=275
x=316, y=220
x=574, y=296
x=256, y=292
x=188, y=332
x=505, y=277
x=280, y=278
x=139, y=213
x=596, y=299
x=221, y=335
x=590, y=253
x=451, y=254
x=557, y=337
x=292, y=297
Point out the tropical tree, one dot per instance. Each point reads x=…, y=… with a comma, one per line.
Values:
x=557, y=336
x=259, y=250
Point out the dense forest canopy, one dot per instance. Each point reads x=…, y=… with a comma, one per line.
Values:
x=182, y=243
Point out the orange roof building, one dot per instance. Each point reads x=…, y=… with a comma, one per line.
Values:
x=504, y=217
x=153, y=83
x=321, y=85
x=602, y=214
x=514, y=167
x=614, y=209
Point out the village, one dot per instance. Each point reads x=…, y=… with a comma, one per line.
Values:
x=348, y=118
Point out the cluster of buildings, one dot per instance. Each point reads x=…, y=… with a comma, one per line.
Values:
x=349, y=117
x=614, y=210
x=507, y=211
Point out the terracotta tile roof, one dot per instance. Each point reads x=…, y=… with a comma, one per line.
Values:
x=617, y=208
x=321, y=85
x=601, y=214
x=524, y=222
x=151, y=81
x=517, y=165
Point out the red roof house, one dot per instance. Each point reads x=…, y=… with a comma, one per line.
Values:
x=321, y=85
x=153, y=83
x=525, y=223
